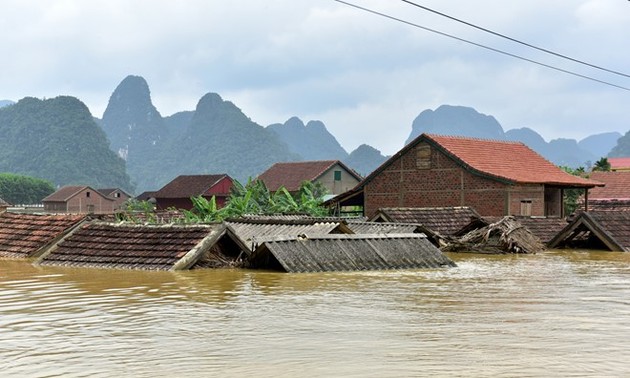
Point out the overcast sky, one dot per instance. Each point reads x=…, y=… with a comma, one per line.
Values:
x=365, y=76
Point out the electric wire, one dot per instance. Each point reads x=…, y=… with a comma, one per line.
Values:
x=515, y=40
x=483, y=46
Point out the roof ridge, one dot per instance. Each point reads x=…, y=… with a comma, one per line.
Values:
x=478, y=139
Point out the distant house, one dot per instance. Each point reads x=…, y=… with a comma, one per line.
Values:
x=178, y=192
x=332, y=174
x=619, y=164
x=79, y=200
x=495, y=178
x=615, y=195
x=117, y=194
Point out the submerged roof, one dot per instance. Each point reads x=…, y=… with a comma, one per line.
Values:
x=382, y=228
x=617, y=186
x=105, y=245
x=350, y=252
x=545, y=228
x=23, y=235
x=612, y=228
x=186, y=186
x=445, y=221
x=255, y=230
x=291, y=174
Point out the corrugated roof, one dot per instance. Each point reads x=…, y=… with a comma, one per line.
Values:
x=251, y=230
x=292, y=174
x=126, y=246
x=186, y=186
x=382, y=228
x=23, y=235
x=445, y=221
x=612, y=228
x=617, y=185
x=350, y=252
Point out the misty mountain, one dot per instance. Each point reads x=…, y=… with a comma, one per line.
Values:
x=4, y=103
x=464, y=121
x=456, y=120
x=600, y=145
x=365, y=159
x=135, y=128
x=622, y=148
x=58, y=140
x=311, y=141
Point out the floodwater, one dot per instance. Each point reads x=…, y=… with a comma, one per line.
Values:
x=551, y=314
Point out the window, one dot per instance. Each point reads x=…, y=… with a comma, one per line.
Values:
x=423, y=156
x=87, y=194
x=526, y=207
x=117, y=195
x=337, y=175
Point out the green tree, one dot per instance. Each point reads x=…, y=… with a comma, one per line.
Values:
x=18, y=189
x=572, y=196
x=602, y=165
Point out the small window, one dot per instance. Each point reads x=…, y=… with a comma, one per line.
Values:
x=423, y=156
x=87, y=194
x=526, y=207
x=337, y=175
x=117, y=195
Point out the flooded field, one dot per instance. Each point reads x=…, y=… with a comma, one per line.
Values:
x=551, y=314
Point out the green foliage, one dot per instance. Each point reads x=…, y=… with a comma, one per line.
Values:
x=572, y=196
x=137, y=211
x=58, y=140
x=17, y=189
x=255, y=198
x=602, y=165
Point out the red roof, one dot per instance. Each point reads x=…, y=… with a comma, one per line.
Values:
x=617, y=185
x=186, y=186
x=292, y=174
x=619, y=162
x=512, y=161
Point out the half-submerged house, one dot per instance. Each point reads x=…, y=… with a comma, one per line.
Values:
x=606, y=230
x=615, y=195
x=79, y=200
x=348, y=253
x=332, y=174
x=145, y=247
x=496, y=178
x=178, y=192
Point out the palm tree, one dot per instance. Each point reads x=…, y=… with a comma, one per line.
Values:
x=602, y=165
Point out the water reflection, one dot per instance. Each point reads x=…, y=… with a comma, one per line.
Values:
x=558, y=313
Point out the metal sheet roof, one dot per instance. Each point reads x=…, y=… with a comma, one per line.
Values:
x=350, y=252
x=382, y=228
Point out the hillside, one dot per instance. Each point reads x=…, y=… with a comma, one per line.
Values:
x=311, y=141
x=58, y=140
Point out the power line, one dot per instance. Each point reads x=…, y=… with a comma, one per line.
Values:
x=482, y=46
x=516, y=40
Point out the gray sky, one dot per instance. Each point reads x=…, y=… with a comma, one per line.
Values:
x=366, y=77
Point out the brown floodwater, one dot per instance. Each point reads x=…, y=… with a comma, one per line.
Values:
x=551, y=314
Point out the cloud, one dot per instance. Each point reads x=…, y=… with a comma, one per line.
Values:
x=366, y=77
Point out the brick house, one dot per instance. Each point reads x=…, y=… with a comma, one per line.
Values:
x=332, y=174
x=118, y=195
x=178, y=192
x=614, y=196
x=495, y=178
x=79, y=200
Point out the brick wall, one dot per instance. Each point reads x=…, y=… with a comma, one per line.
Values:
x=420, y=178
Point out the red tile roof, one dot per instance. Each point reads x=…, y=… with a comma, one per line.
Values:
x=186, y=186
x=292, y=174
x=22, y=235
x=511, y=161
x=617, y=185
x=619, y=162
